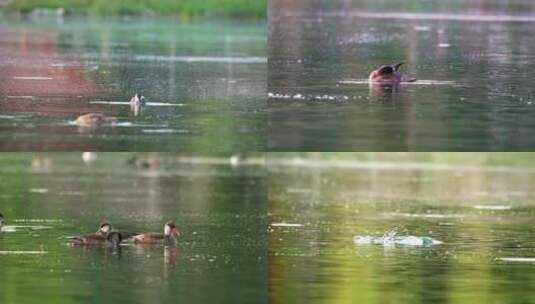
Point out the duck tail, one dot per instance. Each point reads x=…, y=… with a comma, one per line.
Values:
x=75, y=241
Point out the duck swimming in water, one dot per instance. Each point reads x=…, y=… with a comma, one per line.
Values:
x=167, y=238
x=389, y=75
x=137, y=103
x=94, y=120
x=98, y=238
x=138, y=100
x=1, y=220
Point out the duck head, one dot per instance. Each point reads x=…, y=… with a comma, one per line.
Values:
x=1, y=220
x=105, y=228
x=138, y=99
x=170, y=229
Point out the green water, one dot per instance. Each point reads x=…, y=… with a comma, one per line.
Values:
x=474, y=63
x=204, y=81
x=220, y=211
x=482, y=207
x=276, y=227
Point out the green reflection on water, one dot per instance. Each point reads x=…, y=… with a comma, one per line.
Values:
x=448, y=197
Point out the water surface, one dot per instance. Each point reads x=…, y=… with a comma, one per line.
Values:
x=204, y=80
x=482, y=213
x=474, y=63
x=219, y=209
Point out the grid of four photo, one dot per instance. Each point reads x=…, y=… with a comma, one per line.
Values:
x=279, y=151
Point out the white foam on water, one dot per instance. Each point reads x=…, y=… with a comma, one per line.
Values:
x=286, y=225
x=37, y=220
x=435, y=16
x=444, y=45
x=15, y=228
x=493, y=207
x=354, y=81
x=164, y=104
x=123, y=124
x=392, y=239
x=211, y=59
x=426, y=215
x=126, y=103
x=309, y=97
x=417, y=82
x=4, y=252
x=7, y=117
x=8, y=229
x=518, y=259
x=74, y=193
x=32, y=78
x=164, y=131
x=21, y=96
x=38, y=190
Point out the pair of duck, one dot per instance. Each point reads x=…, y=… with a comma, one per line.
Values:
x=98, y=119
x=106, y=236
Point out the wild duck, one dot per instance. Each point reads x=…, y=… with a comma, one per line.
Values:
x=389, y=74
x=170, y=233
x=94, y=120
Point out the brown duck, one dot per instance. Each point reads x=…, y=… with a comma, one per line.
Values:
x=98, y=238
x=170, y=233
x=94, y=120
x=389, y=74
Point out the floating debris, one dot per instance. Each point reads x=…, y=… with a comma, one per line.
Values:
x=391, y=238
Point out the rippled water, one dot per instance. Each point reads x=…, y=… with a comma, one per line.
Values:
x=483, y=215
x=219, y=209
x=204, y=80
x=474, y=63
